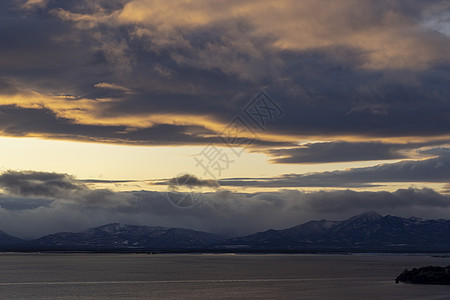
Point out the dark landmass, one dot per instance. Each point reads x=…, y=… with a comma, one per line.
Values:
x=426, y=275
x=6, y=239
x=128, y=236
x=368, y=232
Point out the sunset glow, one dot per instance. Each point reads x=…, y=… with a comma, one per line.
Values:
x=261, y=102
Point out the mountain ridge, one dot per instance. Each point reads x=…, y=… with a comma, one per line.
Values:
x=116, y=235
x=7, y=239
x=365, y=232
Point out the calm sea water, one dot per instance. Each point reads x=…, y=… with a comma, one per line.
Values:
x=212, y=276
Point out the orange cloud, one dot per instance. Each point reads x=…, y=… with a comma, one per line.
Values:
x=385, y=36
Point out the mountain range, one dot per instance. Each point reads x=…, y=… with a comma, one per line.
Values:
x=129, y=236
x=366, y=232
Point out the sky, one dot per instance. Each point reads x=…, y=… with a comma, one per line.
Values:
x=225, y=116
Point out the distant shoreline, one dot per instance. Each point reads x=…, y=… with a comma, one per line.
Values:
x=440, y=254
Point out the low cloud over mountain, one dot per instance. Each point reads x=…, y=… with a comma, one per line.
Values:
x=74, y=206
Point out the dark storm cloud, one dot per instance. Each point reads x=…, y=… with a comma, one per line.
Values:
x=7, y=87
x=339, y=152
x=16, y=121
x=435, y=169
x=33, y=53
x=349, y=200
x=38, y=184
x=377, y=69
x=45, y=187
x=191, y=180
x=17, y=204
x=341, y=100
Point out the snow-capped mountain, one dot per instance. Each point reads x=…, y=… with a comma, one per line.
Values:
x=366, y=231
x=129, y=236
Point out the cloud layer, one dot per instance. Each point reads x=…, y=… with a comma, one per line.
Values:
x=139, y=71
x=58, y=202
x=434, y=169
